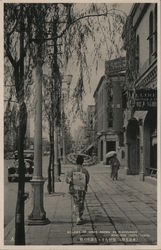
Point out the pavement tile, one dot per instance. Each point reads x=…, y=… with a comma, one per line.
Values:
x=60, y=227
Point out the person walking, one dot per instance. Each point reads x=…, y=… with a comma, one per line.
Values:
x=78, y=179
x=115, y=165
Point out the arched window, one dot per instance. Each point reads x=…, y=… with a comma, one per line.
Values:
x=150, y=36
x=137, y=53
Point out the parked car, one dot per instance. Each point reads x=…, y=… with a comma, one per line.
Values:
x=13, y=173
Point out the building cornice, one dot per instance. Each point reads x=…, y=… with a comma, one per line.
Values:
x=137, y=12
x=148, y=76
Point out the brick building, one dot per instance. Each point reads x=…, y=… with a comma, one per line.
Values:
x=140, y=123
x=109, y=110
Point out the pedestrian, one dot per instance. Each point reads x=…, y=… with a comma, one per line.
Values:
x=78, y=179
x=115, y=165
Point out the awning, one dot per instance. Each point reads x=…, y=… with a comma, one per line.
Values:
x=140, y=115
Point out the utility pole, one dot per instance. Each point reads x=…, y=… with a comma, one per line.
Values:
x=64, y=98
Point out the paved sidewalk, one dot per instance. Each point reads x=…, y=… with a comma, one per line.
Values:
x=122, y=212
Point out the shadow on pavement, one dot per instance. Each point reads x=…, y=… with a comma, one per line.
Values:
x=84, y=221
x=99, y=218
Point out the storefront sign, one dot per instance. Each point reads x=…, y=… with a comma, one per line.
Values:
x=114, y=66
x=145, y=99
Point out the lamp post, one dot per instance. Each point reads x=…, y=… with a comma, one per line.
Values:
x=66, y=79
x=38, y=214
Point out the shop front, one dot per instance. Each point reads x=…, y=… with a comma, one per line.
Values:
x=141, y=137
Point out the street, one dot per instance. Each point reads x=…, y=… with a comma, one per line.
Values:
x=119, y=212
x=10, y=191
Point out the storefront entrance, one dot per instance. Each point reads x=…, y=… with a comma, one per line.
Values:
x=150, y=143
x=133, y=146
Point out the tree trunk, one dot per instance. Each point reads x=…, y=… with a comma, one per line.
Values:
x=51, y=182
x=19, y=217
x=49, y=173
x=52, y=162
x=19, y=83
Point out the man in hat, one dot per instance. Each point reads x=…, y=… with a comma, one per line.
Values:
x=78, y=179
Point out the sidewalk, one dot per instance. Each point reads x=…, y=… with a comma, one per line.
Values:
x=122, y=212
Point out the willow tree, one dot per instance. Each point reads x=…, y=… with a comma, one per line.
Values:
x=17, y=33
x=94, y=33
x=16, y=57
x=68, y=31
x=85, y=32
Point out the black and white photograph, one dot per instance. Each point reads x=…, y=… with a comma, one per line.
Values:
x=80, y=124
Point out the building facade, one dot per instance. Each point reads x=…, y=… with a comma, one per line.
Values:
x=140, y=116
x=109, y=110
x=90, y=130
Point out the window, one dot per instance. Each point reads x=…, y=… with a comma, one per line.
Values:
x=150, y=36
x=122, y=154
x=110, y=119
x=137, y=54
x=121, y=139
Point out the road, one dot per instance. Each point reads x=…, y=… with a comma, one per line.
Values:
x=10, y=191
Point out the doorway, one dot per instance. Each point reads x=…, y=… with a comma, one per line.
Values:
x=133, y=147
x=110, y=146
x=150, y=143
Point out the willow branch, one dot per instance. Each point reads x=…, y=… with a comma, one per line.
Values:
x=79, y=19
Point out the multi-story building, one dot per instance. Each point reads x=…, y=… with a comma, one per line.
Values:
x=140, y=123
x=90, y=129
x=109, y=110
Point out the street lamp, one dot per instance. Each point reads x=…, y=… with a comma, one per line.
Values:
x=38, y=214
x=65, y=79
